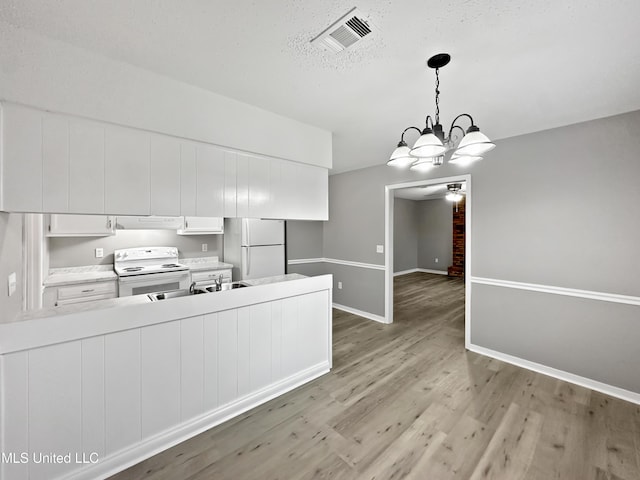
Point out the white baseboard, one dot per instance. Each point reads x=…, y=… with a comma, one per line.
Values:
x=360, y=313
x=424, y=270
x=136, y=453
x=617, y=392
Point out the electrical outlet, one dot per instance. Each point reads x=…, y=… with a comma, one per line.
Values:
x=339, y=285
x=12, y=283
x=99, y=252
x=436, y=260
x=205, y=247
x=379, y=248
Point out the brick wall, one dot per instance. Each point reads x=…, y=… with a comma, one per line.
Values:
x=457, y=268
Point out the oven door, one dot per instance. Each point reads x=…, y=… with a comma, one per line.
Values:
x=153, y=282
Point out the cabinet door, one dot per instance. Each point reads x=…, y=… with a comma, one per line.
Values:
x=259, y=191
x=202, y=226
x=210, y=181
x=187, y=178
x=242, y=186
x=305, y=191
x=55, y=164
x=127, y=182
x=165, y=176
x=86, y=167
x=21, y=159
x=80, y=226
x=230, y=174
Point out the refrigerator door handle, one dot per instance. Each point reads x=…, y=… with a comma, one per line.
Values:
x=247, y=225
x=248, y=261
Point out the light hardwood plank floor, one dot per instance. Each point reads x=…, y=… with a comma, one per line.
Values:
x=407, y=401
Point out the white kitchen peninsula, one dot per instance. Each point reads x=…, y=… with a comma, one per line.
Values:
x=118, y=383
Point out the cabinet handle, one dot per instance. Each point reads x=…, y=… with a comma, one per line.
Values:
x=186, y=224
x=109, y=223
x=88, y=290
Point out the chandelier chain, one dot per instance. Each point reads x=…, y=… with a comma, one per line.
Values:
x=437, y=95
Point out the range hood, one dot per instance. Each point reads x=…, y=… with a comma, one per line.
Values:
x=150, y=223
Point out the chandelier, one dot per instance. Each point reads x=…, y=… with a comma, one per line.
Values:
x=430, y=148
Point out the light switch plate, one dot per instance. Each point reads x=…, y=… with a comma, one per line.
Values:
x=99, y=252
x=12, y=282
x=205, y=247
x=379, y=248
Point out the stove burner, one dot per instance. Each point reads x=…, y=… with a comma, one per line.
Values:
x=132, y=269
x=169, y=265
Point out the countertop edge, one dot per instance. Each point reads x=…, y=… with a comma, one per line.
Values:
x=40, y=332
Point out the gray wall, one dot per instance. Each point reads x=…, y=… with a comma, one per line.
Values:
x=78, y=251
x=405, y=234
x=435, y=234
x=304, y=239
x=10, y=261
x=557, y=207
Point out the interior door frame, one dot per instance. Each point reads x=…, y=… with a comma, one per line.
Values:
x=388, y=257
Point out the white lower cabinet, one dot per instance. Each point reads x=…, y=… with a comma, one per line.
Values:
x=207, y=277
x=79, y=293
x=118, y=396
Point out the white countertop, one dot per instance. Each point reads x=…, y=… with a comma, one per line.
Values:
x=84, y=274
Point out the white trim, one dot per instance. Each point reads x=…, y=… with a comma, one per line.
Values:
x=559, y=374
x=123, y=459
x=388, y=235
x=570, y=292
x=423, y=270
x=360, y=313
x=348, y=263
x=302, y=261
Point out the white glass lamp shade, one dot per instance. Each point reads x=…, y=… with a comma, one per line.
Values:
x=427, y=146
x=474, y=144
x=453, y=196
x=423, y=165
x=401, y=157
x=463, y=160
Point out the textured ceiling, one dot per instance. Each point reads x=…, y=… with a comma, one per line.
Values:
x=517, y=67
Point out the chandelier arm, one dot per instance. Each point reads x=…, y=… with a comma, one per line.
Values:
x=448, y=139
x=410, y=128
x=426, y=121
x=453, y=124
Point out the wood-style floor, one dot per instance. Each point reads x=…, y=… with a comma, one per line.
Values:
x=407, y=401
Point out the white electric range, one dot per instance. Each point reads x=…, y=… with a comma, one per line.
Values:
x=149, y=270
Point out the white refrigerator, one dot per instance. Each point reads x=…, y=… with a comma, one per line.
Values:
x=255, y=247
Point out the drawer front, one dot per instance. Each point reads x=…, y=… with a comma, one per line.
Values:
x=89, y=298
x=211, y=275
x=87, y=290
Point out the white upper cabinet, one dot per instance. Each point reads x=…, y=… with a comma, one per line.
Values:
x=165, y=175
x=230, y=178
x=305, y=190
x=210, y=181
x=187, y=178
x=202, y=226
x=127, y=172
x=86, y=167
x=56, y=163
x=80, y=225
x=21, y=159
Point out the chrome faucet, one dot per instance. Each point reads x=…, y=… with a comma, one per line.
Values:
x=218, y=283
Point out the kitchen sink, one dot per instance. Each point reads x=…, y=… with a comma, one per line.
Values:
x=196, y=291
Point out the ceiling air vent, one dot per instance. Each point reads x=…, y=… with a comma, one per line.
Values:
x=345, y=32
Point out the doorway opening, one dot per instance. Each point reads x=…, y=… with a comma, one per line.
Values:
x=390, y=191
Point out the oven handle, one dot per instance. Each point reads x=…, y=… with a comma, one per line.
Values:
x=154, y=277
